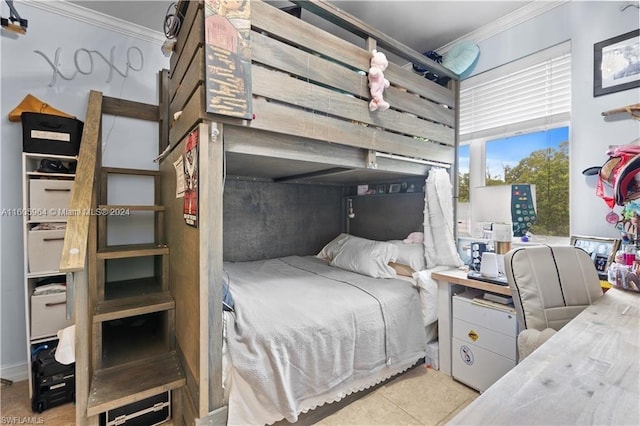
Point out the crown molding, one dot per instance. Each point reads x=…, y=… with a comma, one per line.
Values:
x=98, y=19
x=504, y=23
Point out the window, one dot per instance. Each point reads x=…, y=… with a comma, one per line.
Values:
x=541, y=159
x=514, y=129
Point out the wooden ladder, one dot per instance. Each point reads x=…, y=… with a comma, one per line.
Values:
x=131, y=322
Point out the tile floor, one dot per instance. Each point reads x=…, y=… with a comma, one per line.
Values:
x=420, y=397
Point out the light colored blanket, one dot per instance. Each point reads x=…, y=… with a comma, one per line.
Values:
x=306, y=333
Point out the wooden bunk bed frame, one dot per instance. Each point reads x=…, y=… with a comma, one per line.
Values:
x=311, y=124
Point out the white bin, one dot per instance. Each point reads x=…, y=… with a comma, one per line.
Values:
x=48, y=314
x=45, y=250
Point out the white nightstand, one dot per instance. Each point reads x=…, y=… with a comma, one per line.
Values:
x=484, y=341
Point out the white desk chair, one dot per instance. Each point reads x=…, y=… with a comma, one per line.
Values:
x=550, y=286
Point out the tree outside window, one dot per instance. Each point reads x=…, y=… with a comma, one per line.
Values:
x=538, y=158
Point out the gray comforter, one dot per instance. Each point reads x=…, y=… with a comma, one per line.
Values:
x=303, y=328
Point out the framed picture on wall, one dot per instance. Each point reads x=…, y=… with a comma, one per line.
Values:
x=380, y=189
x=616, y=64
x=601, y=250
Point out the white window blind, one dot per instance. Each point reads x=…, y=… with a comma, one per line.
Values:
x=534, y=90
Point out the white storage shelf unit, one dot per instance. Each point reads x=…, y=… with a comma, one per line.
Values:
x=484, y=341
x=46, y=196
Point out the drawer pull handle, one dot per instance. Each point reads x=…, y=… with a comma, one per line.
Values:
x=53, y=239
x=473, y=335
x=57, y=189
x=64, y=302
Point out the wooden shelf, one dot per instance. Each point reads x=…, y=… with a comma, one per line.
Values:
x=132, y=306
x=124, y=384
x=70, y=176
x=132, y=250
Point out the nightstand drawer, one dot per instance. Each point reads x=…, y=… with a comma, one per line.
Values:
x=477, y=367
x=485, y=338
x=492, y=319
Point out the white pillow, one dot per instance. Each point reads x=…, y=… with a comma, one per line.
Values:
x=366, y=257
x=410, y=254
x=329, y=251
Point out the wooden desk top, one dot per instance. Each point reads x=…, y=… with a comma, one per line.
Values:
x=588, y=373
x=456, y=276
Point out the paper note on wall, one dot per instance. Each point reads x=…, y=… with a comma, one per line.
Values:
x=179, y=166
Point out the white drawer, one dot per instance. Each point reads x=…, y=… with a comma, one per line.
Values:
x=485, y=338
x=45, y=250
x=48, y=314
x=493, y=319
x=49, y=198
x=477, y=367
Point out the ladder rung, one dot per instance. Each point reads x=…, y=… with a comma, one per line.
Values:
x=133, y=250
x=123, y=384
x=132, y=306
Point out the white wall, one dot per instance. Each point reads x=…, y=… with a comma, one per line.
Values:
x=66, y=28
x=584, y=23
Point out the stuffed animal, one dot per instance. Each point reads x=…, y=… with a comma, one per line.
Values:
x=377, y=82
x=414, y=238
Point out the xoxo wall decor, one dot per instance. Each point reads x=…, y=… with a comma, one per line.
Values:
x=83, y=62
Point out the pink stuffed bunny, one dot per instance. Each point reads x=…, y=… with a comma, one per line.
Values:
x=377, y=82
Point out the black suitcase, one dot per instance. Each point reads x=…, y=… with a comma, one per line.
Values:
x=53, y=383
x=147, y=412
x=50, y=134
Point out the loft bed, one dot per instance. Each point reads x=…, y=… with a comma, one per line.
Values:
x=310, y=128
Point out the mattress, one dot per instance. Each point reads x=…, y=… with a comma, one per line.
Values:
x=304, y=334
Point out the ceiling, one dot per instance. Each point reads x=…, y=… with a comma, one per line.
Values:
x=421, y=25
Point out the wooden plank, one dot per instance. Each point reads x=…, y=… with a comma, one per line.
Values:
x=192, y=114
x=281, y=87
x=193, y=46
x=420, y=85
x=83, y=344
x=193, y=7
x=191, y=81
x=184, y=271
x=131, y=306
x=423, y=108
x=131, y=109
x=163, y=108
x=211, y=231
x=286, y=27
x=257, y=143
x=191, y=389
x=132, y=250
x=121, y=385
x=274, y=117
x=267, y=144
x=276, y=54
x=584, y=374
x=335, y=15
x=270, y=19
x=74, y=250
